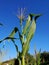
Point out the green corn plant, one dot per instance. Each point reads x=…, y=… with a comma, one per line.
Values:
x=25, y=36
x=37, y=57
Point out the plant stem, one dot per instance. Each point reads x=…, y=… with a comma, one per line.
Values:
x=23, y=60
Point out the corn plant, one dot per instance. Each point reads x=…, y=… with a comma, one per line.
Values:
x=27, y=32
x=37, y=57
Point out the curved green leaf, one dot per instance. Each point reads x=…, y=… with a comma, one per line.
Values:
x=32, y=27
x=16, y=47
x=13, y=32
x=30, y=34
x=8, y=38
x=27, y=25
x=31, y=31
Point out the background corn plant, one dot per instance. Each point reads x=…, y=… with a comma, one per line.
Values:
x=37, y=57
x=25, y=36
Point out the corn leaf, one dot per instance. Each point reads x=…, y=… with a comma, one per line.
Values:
x=12, y=39
x=32, y=27
x=16, y=47
x=26, y=28
x=13, y=32
x=30, y=34
x=8, y=38
x=25, y=48
x=37, y=16
x=31, y=31
x=27, y=25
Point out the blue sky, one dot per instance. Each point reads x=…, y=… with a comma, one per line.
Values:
x=8, y=12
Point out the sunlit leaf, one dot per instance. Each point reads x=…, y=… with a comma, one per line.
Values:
x=13, y=32
x=28, y=22
x=30, y=34
x=27, y=25
x=11, y=36
x=32, y=27
x=31, y=31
